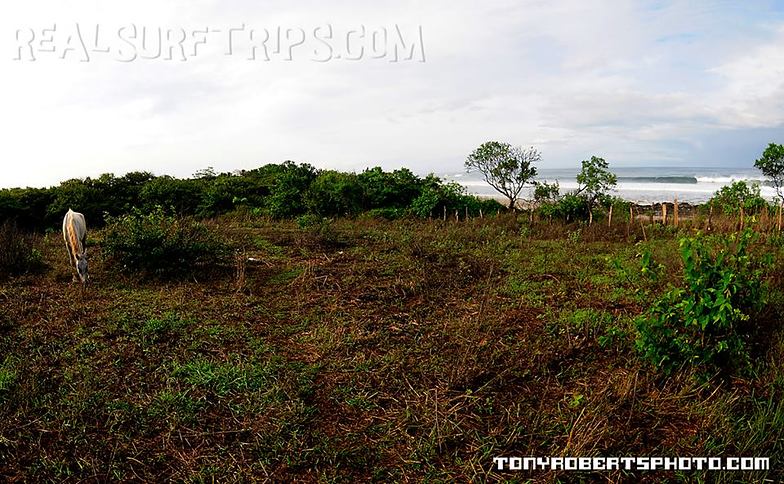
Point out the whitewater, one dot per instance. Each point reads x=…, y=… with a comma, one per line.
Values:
x=644, y=185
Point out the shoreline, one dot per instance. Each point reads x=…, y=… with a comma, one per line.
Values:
x=523, y=204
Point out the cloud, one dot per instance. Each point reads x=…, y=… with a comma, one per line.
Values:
x=636, y=82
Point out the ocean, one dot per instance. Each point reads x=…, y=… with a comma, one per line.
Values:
x=644, y=185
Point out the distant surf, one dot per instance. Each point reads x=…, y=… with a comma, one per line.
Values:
x=658, y=179
x=640, y=184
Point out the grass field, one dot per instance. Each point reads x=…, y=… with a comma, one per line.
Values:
x=372, y=350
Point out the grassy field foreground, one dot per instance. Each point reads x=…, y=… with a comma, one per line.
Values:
x=371, y=350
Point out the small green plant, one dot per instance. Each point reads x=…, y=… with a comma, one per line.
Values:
x=577, y=400
x=156, y=329
x=649, y=267
x=573, y=236
x=161, y=245
x=311, y=221
x=701, y=323
x=612, y=337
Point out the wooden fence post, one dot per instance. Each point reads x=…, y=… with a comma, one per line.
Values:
x=710, y=215
x=444, y=213
x=675, y=212
x=779, y=221
x=664, y=214
x=644, y=237
x=481, y=215
x=609, y=217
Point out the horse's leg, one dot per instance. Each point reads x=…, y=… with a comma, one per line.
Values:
x=71, y=261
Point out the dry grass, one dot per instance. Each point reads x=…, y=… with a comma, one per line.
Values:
x=386, y=351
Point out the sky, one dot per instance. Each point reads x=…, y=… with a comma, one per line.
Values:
x=355, y=84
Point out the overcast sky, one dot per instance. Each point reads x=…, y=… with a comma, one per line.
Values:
x=637, y=82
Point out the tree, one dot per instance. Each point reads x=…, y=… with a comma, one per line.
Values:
x=594, y=181
x=739, y=195
x=547, y=192
x=505, y=168
x=771, y=164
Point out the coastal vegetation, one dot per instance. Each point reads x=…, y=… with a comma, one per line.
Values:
x=294, y=324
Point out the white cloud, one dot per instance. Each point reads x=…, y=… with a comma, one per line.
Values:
x=633, y=81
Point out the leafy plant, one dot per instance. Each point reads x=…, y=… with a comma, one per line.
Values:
x=771, y=163
x=287, y=198
x=731, y=198
x=334, y=193
x=547, y=192
x=160, y=244
x=701, y=324
x=569, y=208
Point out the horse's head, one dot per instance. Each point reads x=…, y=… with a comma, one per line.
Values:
x=81, y=267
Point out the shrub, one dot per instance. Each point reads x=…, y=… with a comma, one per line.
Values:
x=334, y=193
x=181, y=196
x=159, y=244
x=437, y=196
x=386, y=213
x=318, y=230
x=20, y=253
x=27, y=207
x=287, y=197
x=731, y=198
x=395, y=189
x=570, y=208
x=701, y=323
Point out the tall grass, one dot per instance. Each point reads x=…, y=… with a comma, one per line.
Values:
x=19, y=251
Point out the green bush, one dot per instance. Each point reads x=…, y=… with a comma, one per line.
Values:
x=334, y=193
x=547, y=192
x=181, y=196
x=158, y=244
x=437, y=196
x=20, y=252
x=570, y=208
x=386, y=213
x=701, y=324
x=287, y=197
x=395, y=189
x=731, y=198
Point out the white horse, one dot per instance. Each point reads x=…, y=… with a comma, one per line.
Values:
x=75, y=235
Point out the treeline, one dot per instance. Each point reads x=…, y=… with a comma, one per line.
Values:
x=279, y=190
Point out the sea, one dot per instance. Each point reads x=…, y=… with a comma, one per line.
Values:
x=643, y=185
